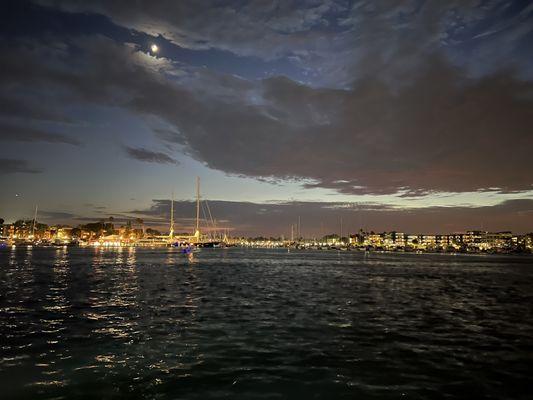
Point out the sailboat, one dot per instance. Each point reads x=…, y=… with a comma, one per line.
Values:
x=187, y=244
x=205, y=241
x=196, y=240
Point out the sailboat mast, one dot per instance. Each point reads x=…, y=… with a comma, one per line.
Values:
x=33, y=224
x=198, y=206
x=172, y=216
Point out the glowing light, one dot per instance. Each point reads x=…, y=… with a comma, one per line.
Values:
x=154, y=48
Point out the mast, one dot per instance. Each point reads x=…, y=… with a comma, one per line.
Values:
x=171, y=234
x=197, y=232
x=33, y=223
x=292, y=233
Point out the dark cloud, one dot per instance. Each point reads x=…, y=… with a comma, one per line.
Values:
x=12, y=166
x=118, y=219
x=440, y=131
x=261, y=28
x=56, y=216
x=30, y=107
x=409, y=120
x=335, y=40
x=169, y=136
x=319, y=218
x=141, y=154
x=9, y=132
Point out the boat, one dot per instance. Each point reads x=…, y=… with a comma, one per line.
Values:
x=195, y=241
x=4, y=242
x=211, y=244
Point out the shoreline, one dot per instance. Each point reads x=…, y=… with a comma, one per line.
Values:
x=280, y=248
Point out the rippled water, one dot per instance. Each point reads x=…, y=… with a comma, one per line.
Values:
x=82, y=323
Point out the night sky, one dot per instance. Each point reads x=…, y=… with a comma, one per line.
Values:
x=415, y=116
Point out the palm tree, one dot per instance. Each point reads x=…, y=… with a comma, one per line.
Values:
x=141, y=223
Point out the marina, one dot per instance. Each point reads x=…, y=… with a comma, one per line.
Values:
x=263, y=200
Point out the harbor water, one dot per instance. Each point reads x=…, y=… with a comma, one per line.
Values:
x=263, y=324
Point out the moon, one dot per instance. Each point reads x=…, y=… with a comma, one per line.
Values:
x=154, y=48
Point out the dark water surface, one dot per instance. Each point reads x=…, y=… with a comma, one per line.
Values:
x=131, y=323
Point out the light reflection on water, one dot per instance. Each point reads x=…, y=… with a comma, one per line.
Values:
x=142, y=323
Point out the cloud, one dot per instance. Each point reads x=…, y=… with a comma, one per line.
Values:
x=30, y=107
x=333, y=41
x=141, y=154
x=12, y=166
x=15, y=133
x=118, y=219
x=56, y=215
x=440, y=130
x=169, y=136
x=263, y=29
x=319, y=218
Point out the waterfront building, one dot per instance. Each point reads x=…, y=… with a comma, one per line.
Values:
x=4, y=230
x=475, y=240
x=387, y=240
x=374, y=240
x=399, y=239
x=412, y=241
x=528, y=241
x=428, y=242
x=499, y=240
x=331, y=240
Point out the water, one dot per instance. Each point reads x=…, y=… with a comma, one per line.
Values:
x=249, y=324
